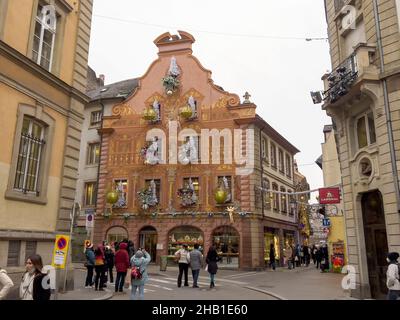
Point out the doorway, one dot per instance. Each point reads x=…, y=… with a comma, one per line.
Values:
x=375, y=242
x=148, y=240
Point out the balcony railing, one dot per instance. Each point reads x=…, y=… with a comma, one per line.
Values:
x=341, y=79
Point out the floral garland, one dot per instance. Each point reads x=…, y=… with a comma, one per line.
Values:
x=146, y=198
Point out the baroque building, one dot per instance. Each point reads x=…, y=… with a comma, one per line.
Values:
x=167, y=178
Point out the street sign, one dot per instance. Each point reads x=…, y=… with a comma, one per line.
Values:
x=89, y=220
x=60, y=251
x=326, y=222
x=329, y=195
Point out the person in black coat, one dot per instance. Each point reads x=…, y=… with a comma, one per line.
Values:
x=212, y=266
x=109, y=257
x=272, y=256
x=318, y=257
x=324, y=258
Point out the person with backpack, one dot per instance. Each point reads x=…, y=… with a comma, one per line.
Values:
x=5, y=283
x=90, y=262
x=393, y=276
x=31, y=287
x=121, y=265
x=182, y=256
x=196, y=261
x=139, y=275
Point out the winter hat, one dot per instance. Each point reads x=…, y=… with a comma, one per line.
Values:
x=138, y=254
x=393, y=256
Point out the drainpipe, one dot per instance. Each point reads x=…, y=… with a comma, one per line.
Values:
x=387, y=107
x=98, y=166
x=262, y=172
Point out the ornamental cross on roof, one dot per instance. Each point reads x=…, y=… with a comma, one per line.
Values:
x=246, y=97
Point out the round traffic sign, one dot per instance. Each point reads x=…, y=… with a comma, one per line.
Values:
x=61, y=243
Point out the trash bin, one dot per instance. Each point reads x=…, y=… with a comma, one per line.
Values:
x=163, y=263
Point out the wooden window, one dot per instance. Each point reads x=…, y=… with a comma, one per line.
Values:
x=44, y=36
x=93, y=153
x=95, y=118
x=90, y=194
x=283, y=201
x=275, y=197
x=281, y=162
x=14, y=249
x=288, y=166
x=273, y=156
x=29, y=156
x=30, y=249
x=365, y=130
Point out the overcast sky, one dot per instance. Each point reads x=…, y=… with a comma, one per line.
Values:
x=255, y=45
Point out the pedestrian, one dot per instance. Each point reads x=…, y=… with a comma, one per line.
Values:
x=272, y=256
x=295, y=257
x=99, y=268
x=324, y=258
x=288, y=255
x=31, y=287
x=182, y=256
x=131, y=249
x=90, y=262
x=109, y=258
x=212, y=266
x=196, y=262
x=306, y=255
x=122, y=264
x=313, y=254
x=140, y=260
x=5, y=284
x=318, y=256
x=393, y=276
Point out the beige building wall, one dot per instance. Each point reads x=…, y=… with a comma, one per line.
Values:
x=55, y=97
x=366, y=95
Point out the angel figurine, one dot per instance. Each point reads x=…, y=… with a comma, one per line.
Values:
x=192, y=105
x=152, y=152
x=173, y=68
x=227, y=189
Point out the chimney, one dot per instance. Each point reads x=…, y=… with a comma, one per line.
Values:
x=101, y=79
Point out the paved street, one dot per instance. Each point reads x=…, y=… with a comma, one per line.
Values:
x=301, y=283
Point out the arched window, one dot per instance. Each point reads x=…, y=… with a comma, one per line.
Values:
x=365, y=130
x=226, y=240
x=283, y=201
x=267, y=195
x=116, y=234
x=275, y=197
x=184, y=235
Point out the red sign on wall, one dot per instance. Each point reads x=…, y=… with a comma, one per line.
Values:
x=329, y=195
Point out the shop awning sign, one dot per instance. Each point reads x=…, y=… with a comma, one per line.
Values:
x=329, y=195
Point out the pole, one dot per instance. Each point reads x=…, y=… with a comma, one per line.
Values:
x=72, y=215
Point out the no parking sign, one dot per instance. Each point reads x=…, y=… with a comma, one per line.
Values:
x=60, y=251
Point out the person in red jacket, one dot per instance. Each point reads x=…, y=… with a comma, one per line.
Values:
x=122, y=265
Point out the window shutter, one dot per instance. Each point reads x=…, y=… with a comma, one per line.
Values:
x=14, y=248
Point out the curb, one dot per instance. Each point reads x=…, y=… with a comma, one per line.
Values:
x=107, y=296
x=266, y=292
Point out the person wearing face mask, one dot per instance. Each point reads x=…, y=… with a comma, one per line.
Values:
x=31, y=287
x=392, y=276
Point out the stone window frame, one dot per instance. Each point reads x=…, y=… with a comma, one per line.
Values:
x=84, y=205
x=281, y=161
x=355, y=120
x=276, y=197
x=288, y=165
x=36, y=113
x=274, y=162
x=88, y=152
x=283, y=200
x=61, y=14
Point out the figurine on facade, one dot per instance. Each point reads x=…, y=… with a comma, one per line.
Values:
x=193, y=105
x=156, y=108
x=227, y=190
x=188, y=194
x=188, y=152
x=121, y=202
x=152, y=156
x=171, y=82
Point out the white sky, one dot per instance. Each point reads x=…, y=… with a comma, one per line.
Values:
x=278, y=73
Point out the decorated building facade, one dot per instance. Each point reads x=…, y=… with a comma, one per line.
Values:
x=180, y=163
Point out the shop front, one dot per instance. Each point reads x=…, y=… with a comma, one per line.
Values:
x=148, y=240
x=271, y=236
x=227, y=240
x=289, y=238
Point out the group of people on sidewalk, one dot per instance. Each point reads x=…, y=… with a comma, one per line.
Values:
x=195, y=260
x=297, y=255
x=123, y=257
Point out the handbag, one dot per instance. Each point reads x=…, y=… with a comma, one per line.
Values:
x=206, y=268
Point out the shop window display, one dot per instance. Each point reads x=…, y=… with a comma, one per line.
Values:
x=184, y=235
x=226, y=241
x=270, y=237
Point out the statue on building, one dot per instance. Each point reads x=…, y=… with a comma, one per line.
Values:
x=193, y=105
x=152, y=201
x=227, y=189
x=152, y=156
x=121, y=196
